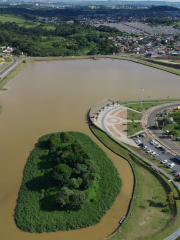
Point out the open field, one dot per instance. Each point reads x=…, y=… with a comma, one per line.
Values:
x=134, y=127
x=11, y=18
x=151, y=218
x=133, y=115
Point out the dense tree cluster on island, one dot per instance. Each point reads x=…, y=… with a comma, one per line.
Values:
x=68, y=183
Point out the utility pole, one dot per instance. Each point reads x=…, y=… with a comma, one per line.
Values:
x=142, y=95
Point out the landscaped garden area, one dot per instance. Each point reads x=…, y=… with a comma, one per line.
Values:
x=172, y=126
x=68, y=183
x=135, y=125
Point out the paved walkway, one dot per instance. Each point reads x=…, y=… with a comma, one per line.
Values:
x=114, y=118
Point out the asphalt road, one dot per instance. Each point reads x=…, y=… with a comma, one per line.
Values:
x=152, y=127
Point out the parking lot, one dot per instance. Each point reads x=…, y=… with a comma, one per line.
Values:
x=161, y=154
x=141, y=28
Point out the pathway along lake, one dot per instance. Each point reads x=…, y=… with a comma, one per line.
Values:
x=54, y=96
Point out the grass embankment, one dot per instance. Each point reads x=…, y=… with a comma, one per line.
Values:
x=148, y=217
x=149, y=64
x=37, y=210
x=0, y=109
x=12, y=74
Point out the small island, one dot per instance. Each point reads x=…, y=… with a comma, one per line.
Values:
x=68, y=183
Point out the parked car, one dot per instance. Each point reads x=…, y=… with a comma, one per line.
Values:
x=164, y=161
x=153, y=154
x=171, y=165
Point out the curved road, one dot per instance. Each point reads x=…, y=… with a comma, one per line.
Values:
x=157, y=132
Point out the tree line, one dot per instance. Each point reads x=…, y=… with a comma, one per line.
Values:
x=65, y=39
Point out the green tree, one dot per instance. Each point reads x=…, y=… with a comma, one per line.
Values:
x=73, y=183
x=63, y=196
x=53, y=141
x=62, y=173
x=77, y=199
x=64, y=137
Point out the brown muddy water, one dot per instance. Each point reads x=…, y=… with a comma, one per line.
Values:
x=47, y=97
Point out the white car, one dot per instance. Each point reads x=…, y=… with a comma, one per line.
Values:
x=171, y=165
x=164, y=161
x=145, y=147
x=158, y=146
x=149, y=151
x=153, y=153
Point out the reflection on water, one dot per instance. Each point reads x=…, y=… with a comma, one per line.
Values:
x=54, y=96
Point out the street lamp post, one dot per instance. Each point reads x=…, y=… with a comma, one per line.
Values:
x=142, y=95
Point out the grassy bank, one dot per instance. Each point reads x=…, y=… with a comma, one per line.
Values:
x=37, y=209
x=0, y=109
x=149, y=64
x=13, y=73
x=148, y=217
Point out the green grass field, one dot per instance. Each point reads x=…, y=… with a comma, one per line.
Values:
x=134, y=127
x=11, y=18
x=144, y=106
x=132, y=115
x=8, y=59
x=148, y=218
